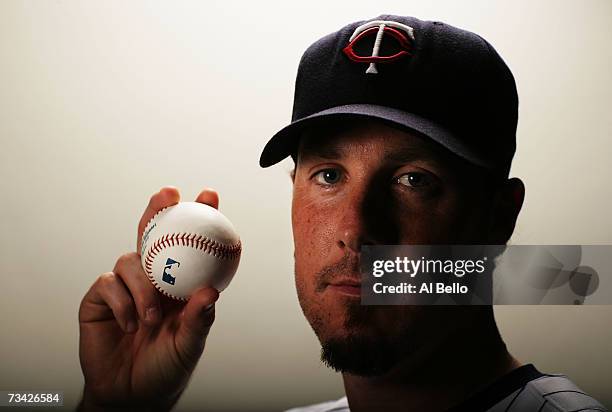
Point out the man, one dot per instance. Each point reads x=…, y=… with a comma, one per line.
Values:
x=403, y=132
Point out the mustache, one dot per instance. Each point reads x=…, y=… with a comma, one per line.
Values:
x=345, y=267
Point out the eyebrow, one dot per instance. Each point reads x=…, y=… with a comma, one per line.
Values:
x=331, y=152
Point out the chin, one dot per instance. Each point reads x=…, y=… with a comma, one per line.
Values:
x=360, y=348
x=363, y=354
x=363, y=340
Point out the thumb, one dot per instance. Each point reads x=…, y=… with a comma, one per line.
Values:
x=197, y=318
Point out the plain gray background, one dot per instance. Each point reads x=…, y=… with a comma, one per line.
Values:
x=102, y=103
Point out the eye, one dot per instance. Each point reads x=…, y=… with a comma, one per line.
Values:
x=414, y=179
x=328, y=176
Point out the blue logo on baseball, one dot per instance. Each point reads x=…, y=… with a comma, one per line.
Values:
x=167, y=277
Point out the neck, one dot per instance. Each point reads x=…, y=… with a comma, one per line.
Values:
x=437, y=377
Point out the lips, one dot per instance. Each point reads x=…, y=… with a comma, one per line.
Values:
x=346, y=282
x=346, y=286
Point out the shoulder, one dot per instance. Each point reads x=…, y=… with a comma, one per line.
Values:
x=340, y=405
x=549, y=393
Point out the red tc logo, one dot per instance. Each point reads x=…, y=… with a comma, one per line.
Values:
x=399, y=31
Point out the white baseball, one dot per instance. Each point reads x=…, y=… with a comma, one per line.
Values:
x=187, y=246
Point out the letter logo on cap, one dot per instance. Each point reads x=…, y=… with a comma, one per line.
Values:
x=399, y=31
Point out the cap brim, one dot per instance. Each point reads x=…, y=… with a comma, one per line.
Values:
x=283, y=143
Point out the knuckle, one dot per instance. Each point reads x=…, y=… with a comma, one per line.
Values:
x=125, y=259
x=106, y=279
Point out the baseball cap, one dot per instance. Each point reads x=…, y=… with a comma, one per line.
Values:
x=429, y=77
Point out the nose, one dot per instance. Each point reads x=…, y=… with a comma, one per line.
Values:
x=358, y=223
x=351, y=240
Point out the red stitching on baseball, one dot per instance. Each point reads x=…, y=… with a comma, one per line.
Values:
x=203, y=243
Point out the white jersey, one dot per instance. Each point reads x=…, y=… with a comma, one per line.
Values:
x=522, y=390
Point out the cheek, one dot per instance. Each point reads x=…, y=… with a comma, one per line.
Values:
x=313, y=235
x=313, y=228
x=446, y=220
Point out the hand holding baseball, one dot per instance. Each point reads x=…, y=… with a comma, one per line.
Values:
x=137, y=346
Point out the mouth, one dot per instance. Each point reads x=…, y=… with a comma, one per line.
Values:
x=346, y=286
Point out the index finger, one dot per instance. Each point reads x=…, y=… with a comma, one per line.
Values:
x=167, y=196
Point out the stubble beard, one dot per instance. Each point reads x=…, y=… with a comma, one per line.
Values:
x=361, y=347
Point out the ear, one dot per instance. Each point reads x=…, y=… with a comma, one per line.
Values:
x=507, y=205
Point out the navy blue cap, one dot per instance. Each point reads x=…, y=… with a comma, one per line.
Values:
x=425, y=76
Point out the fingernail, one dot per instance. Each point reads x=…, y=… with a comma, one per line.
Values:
x=131, y=326
x=152, y=314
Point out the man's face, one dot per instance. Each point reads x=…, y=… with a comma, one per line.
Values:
x=373, y=184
